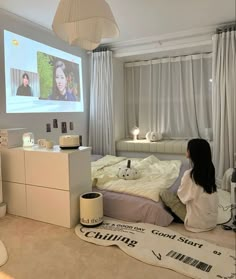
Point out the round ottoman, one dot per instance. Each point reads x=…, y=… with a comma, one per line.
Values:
x=91, y=209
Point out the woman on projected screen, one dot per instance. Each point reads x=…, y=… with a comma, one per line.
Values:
x=24, y=89
x=60, y=87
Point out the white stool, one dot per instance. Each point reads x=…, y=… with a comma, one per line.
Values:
x=233, y=195
x=91, y=209
x=226, y=180
x=231, y=224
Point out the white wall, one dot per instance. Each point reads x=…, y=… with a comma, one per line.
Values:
x=36, y=122
x=118, y=87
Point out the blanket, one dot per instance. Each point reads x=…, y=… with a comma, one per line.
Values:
x=154, y=175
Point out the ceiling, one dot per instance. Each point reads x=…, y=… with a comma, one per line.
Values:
x=142, y=22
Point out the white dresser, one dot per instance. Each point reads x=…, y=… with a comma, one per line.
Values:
x=44, y=184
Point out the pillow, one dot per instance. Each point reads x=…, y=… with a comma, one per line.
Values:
x=153, y=136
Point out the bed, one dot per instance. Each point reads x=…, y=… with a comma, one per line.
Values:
x=129, y=204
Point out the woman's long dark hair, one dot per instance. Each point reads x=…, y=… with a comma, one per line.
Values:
x=203, y=171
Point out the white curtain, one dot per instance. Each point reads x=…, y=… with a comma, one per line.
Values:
x=172, y=96
x=224, y=101
x=101, y=125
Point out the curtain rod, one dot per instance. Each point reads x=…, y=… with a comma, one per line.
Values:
x=226, y=28
x=103, y=48
x=98, y=49
x=166, y=58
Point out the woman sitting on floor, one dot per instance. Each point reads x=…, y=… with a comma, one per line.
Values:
x=196, y=201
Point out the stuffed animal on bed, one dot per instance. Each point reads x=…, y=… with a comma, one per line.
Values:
x=127, y=172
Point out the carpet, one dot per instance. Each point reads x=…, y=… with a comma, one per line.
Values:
x=3, y=254
x=163, y=247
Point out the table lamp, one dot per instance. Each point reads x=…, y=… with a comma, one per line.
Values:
x=135, y=131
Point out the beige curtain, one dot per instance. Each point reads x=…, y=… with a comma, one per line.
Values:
x=101, y=125
x=172, y=96
x=224, y=101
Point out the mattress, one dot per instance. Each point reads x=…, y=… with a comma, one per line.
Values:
x=138, y=209
x=153, y=175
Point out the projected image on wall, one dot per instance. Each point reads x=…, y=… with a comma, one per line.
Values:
x=59, y=79
x=24, y=83
x=40, y=78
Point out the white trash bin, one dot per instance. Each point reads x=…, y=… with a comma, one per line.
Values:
x=91, y=209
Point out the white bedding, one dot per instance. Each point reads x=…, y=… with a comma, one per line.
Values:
x=155, y=175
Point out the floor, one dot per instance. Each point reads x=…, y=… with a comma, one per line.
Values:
x=42, y=251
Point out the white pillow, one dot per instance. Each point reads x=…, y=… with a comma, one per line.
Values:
x=148, y=136
x=153, y=136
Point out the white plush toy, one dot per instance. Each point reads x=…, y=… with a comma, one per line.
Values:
x=127, y=172
x=153, y=136
x=148, y=136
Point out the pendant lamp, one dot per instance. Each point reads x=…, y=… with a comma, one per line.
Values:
x=84, y=23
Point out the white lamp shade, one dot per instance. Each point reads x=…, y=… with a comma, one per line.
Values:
x=84, y=23
x=135, y=131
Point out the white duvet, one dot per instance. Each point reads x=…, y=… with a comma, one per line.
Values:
x=155, y=175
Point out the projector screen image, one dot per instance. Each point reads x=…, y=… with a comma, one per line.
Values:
x=40, y=78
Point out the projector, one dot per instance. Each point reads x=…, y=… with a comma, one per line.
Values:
x=69, y=141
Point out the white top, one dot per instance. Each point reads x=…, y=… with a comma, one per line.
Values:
x=202, y=208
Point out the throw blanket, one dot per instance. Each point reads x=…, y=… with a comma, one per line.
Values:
x=155, y=175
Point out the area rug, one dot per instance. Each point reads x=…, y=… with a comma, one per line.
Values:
x=3, y=254
x=163, y=247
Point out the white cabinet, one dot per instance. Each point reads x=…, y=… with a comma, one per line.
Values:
x=44, y=184
x=51, y=206
x=13, y=167
x=14, y=195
